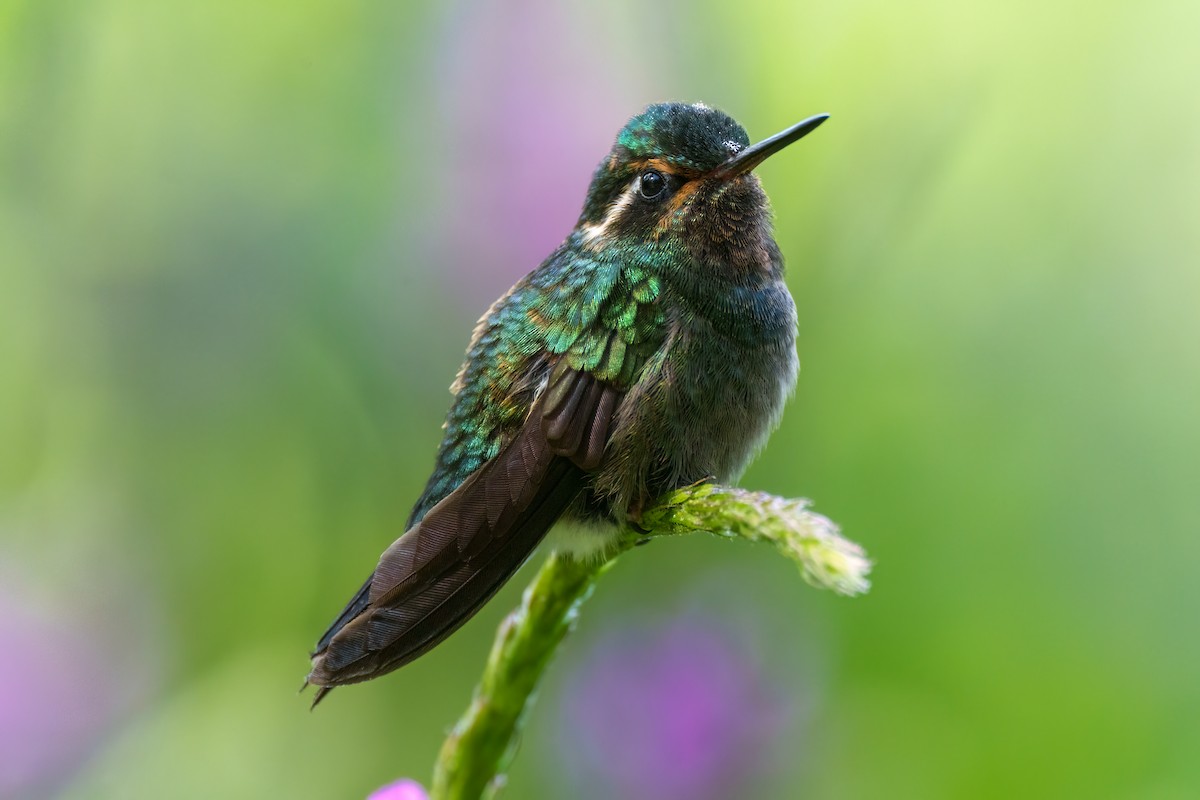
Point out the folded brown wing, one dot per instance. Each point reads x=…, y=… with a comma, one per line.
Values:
x=442, y=570
x=577, y=411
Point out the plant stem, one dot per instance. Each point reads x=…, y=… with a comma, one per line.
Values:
x=478, y=750
x=475, y=756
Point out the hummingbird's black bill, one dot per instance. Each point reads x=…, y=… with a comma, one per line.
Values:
x=755, y=154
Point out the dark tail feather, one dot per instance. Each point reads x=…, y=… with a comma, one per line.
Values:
x=320, y=695
x=437, y=575
x=443, y=569
x=352, y=610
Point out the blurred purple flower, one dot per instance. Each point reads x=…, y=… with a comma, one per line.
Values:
x=67, y=681
x=403, y=789
x=671, y=710
x=534, y=101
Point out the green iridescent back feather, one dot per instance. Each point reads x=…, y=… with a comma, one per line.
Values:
x=597, y=311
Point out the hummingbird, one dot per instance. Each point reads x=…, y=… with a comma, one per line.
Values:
x=652, y=350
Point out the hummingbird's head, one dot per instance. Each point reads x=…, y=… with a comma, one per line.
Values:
x=680, y=175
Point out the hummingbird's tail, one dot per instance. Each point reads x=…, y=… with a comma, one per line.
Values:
x=442, y=570
x=446, y=566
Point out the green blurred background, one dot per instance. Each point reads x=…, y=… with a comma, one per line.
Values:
x=241, y=250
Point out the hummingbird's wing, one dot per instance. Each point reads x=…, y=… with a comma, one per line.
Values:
x=443, y=569
x=534, y=407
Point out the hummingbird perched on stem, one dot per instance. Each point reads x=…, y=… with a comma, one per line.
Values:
x=654, y=349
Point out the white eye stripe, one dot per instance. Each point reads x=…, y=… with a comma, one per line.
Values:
x=596, y=230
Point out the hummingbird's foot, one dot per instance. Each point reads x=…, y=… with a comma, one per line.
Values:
x=633, y=516
x=638, y=528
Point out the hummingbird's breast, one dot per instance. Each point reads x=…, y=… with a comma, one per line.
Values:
x=708, y=398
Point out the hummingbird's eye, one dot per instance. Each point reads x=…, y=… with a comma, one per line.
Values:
x=652, y=184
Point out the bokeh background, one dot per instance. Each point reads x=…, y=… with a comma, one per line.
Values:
x=241, y=250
